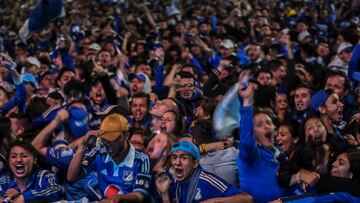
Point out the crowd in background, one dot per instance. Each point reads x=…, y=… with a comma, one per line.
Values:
x=114, y=100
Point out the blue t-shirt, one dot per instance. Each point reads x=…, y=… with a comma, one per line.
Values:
x=208, y=186
x=131, y=175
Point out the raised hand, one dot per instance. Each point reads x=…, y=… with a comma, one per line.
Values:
x=162, y=182
x=246, y=89
x=62, y=115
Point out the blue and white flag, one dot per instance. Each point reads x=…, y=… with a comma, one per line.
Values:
x=43, y=13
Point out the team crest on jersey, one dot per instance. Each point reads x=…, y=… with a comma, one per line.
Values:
x=198, y=194
x=128, y=176
x=85, y=163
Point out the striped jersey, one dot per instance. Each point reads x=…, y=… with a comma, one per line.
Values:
x=208, y=186
x=131, y=175
x=42, y=185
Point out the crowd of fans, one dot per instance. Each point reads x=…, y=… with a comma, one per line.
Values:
x=180, y=101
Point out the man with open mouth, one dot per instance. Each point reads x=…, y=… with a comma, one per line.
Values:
x=192, y=182
x=330, y=107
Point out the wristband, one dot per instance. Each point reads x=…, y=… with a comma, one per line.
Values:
x=203, y=148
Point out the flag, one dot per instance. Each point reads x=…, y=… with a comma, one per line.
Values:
x=43, y=13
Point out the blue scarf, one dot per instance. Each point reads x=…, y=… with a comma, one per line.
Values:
x=192, y=187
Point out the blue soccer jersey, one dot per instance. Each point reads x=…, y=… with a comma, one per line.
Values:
x=84, y=187
x=42, y=185
x=59, y=157
x=131, y=175
x=208, y=186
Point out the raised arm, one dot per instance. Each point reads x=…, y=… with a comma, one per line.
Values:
x=75, y=167
x=42, y=138
x=353, y=64
x=248, y=147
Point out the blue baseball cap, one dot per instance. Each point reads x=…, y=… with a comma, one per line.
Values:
x=319, y=99
x=78, y=122
x=139, y=76
x=30, y=78
x=156, y=46
x=188, y=147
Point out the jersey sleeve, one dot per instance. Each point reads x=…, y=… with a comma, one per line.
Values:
x=231, y=190
x=143, y=178
x=60, y=158
x=247, y=146
x=216, y=186
x=4, y=183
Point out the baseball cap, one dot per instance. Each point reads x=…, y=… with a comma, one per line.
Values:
x=227, y=44
x=30, y=78
x=95, y=46
x=188, y=147
x=144, y=78
x=139, y=76
x=33, y=61
x=319, y=99
x=156, y=46
x=345, y=46
x=78, y=121
x=113, y=125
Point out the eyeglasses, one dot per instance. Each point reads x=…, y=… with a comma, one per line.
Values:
x=189, y=85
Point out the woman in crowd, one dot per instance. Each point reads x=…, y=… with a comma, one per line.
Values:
x=172, y=122
x=25, y=182
x=314, y=130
